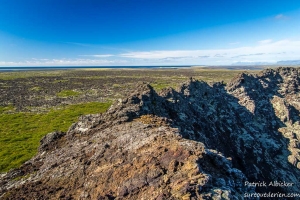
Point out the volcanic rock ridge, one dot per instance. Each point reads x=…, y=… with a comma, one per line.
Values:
x=200, y=141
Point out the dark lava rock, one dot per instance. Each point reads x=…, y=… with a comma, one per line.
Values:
x=200, y=141
x=48, y=142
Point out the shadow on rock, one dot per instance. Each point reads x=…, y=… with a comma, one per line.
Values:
x=238, y=120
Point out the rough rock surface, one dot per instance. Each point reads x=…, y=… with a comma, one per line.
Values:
x=200, y=141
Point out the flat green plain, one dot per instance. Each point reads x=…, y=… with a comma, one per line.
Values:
x=21, y=132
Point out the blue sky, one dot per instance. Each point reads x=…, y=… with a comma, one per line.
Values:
x=147, y=32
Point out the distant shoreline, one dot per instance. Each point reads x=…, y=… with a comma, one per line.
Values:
x=228, y=67
x=88, y=67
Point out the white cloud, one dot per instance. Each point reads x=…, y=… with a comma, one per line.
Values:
x=263, y=51
x=64, y=62
x=280, y=17
x=266, y=51
x=267, y=41
x=160, y=54
x=99, y=55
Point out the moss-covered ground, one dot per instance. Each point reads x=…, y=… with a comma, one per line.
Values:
x=67, y=93
x=21, y=132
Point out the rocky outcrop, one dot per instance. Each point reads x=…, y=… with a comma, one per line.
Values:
x=200, y=141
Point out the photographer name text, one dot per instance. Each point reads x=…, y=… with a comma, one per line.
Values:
x=269, y=184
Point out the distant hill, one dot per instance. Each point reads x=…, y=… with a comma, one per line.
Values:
x=278, y=63
x=288, y=62
x=251, y=63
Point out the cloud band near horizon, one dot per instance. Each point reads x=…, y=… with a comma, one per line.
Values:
x=265, y=51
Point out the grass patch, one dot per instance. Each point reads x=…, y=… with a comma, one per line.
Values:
x=4, y=109
x=35, y=89
x=158, y=86
x=61, y=81
x=21, y=177
x=116, y=85
x=67, y=93
x=20, y=133
x=27, y=74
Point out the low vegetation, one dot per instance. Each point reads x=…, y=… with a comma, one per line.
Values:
x=158, y=86
x=21, y=132
x=68, y=93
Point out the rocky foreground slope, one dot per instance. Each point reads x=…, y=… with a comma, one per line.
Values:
x=201, y=141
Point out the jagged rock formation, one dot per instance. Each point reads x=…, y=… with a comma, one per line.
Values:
x=201, y=141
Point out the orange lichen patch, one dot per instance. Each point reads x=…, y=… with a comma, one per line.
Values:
x=152, y=119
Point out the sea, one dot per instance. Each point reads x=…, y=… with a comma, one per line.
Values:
x=5, y=69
